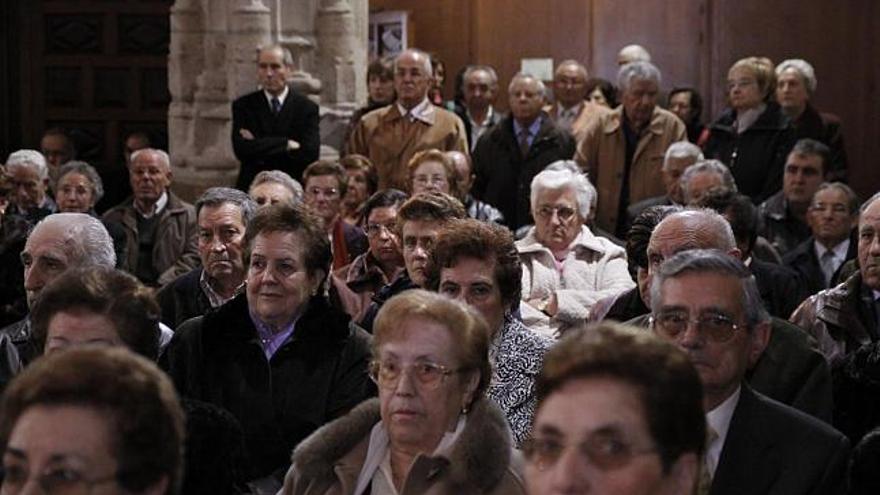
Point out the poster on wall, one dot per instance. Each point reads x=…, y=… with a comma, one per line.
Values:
x=387, y=33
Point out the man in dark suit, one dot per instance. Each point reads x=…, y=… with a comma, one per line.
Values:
x=480, y=87
x=274, y=128
x=708, y=304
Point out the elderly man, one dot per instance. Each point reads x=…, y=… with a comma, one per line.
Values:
x=707, y=303
x=223, y=215
x=623, y=149
x=679, y=156
x=509, y=156
x=832, y=216
x=476, y=209
x=704, y=177
x=632, y=53
x=391, y=135
x=795, y=85
x=28, y=176
x=58, y=149
x=274, y=127
x=570, y=111
x=843, y=318
x=785, y=213
x=480, y=87
x=687, y=104
x=160, y=228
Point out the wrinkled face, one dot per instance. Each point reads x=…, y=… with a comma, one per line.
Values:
x=272, y=72
x=76, y=328
x=381, y=90
x=557, y=219
x=639, y=100
x=382, y=235
x=221, y=241
x=45, y=257
x=700, y=184
x=430, y=176
x=411, y=80
x=472, y=281
x=605, y=417
x=526, y=100
x=28, y=190
x=479, y=90
x=270, y=193
x=671, y=172
x=869, y=246
x=149, y=177
x=418, y=241
x=415, y=415
x=829, y=216
x=56, y=149
x=791, y=90
x=680, y=104
x=278, y=284
x=802, y=177
x=597, y=97
x=569, y=85
x=322, y=196
x=74, y=193
x=357, y=191
x=72, y=443
x=743, y=90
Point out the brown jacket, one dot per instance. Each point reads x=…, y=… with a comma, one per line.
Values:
x=175, y=251
x=602, y=153
x=481, y=461
x=389, y=140
x=589, y=113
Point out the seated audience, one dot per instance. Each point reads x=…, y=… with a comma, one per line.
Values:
x=361, y=185
x=687, y=104
x=477, y=263
x=28, y=177
x=566, y=268
x=678, y=157
x=601, y=92
x=431, y=430
x=380, y=92
x=58, y=148
x=476, y=209
x=432, y=171
x=630, y=407
x=274, y=186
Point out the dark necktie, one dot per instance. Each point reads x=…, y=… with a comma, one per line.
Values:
x=276, y=106
x=524, y=142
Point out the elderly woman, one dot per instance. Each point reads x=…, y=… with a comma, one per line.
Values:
x=432, y=171
x=91, y=420
x=477, y=263
x=432, y=429
x=279, y=357
x=566, y=268
x=619, y=412
x=362, y=183
x=753, y=136
x=274, y=186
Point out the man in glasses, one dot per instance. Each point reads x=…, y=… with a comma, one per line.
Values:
x=708, y=304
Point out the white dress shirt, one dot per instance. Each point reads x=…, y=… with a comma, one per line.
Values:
x=718, y=419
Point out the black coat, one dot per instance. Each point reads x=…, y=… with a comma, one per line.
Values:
x=504, y=176
x=182, y=299
x=297, y=120
x=825, y=128
x=803, y=260
x=779, y=286
x=318, y=375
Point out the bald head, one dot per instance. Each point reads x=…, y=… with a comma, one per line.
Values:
x=633, y=53
x=690, y=229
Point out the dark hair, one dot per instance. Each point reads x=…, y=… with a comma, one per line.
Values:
x=807, y=146
x=69, y=145
x=740, y=212
x=136, y=397
x=118, y=296
x=383, y=199
x=362, y=163
x=639, y=234
x=297, y=219
x=696, y=101
x=608, y=90
x=434, y=155
x=383, y=68
x=484, y=241
x=662, y=375
x=434, y=206
x=218, y=196
x=326, y=167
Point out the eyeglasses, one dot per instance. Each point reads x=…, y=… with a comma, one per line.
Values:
x=376, y=229
x=740, y=83
x=424, y=180
x=564, y=213
x=606, y=452
x=717, y=327
x=52, y=481
x=386, y=374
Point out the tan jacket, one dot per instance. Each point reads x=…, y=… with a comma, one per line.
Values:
x=589, y=113
x=602, y=153
x=389, y=140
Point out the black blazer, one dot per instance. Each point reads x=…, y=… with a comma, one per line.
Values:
x=803, y=260
x=773, y=449
x=297, y=120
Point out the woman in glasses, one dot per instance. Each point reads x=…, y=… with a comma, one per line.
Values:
x=432, y=429
x=566, y=268
x=619, y=412
x=432, y=171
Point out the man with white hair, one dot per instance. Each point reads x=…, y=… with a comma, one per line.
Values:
x=704, y=177
x=391, y=135
x=623, y=150
x=514, y=151
x=160, y=227
x=632, y=53
x=678, y=157
x=29, y=177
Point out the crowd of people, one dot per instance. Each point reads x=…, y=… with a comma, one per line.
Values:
x=579, y=296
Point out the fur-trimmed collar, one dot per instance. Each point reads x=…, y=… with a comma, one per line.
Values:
x=479, y=458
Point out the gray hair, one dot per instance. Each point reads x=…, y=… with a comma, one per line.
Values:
x=217, y=196
x=579, y=66
x=868, y=202
x=163, y=156
x=30, y=159
x=86, y=170
x=803, y=68
x=429, y=70
x=682, y=149
x=488, y=69
x=707, y=166
x=278, y=177
x=852, y=199
x=86, y=238
x=634, y=53
x=522, y=76
x=807, y=146
x=704, y=220
x=286, y=55
x=698, y=261
x=641, y=70
x=564, y=174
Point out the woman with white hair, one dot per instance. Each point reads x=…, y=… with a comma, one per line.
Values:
x=566, y=268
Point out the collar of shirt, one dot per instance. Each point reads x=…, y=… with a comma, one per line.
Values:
x=281, y=97
x=570, y=113
x=421, y=111
x=876, y=294
x=270, y=341
x=533, y=128
x=839, y=251
x=215, y=299
x=490, y=114
x=719, y=420
x=157, y=208
x=745, y=119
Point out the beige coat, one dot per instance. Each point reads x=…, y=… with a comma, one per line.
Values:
x=602, y=153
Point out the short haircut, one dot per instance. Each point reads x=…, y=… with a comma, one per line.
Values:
x=327, y=167
x=666, y=382
x=702, y=261
x=164, y=159
x=87, y=171
x=579, y=66
x=763, y=72
x=382, y=67
x=867, y=203
x=430, y=206
x=30, y=159
x=467, y=327
x=811, y=147
x=683, y=149
x=286, y=55
x=740, y=212
x=295, y=219
x=61, y=132
x=361, y=163
x=643, y=71
x=138, y=400
x=560, y=175
x=488, y=69
x=84, y=236
x=122, y=299
x=696, y=100
x=278, y=177
x=852, y=199
x=426, y=64
x=635, y=53
x=483, y=241
x=605, y=87
x=218, y=196
x=385, y=198
x=803, y=68
x=434, y=155
x=707, y=166
x=524, y=76
x=639, y=234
